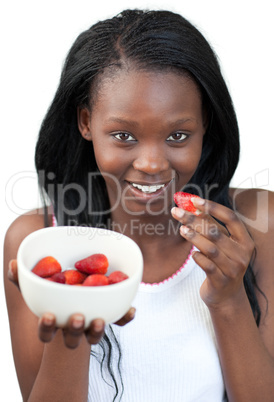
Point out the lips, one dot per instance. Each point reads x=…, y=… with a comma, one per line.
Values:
x=148, y=189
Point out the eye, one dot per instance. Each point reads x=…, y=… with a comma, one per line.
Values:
x=124, y=137
x=177, y=137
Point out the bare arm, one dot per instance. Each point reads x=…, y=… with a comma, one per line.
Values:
x=51, y=364
x=49, y=369
x=246, y=352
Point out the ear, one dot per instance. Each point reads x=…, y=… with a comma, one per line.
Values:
x=84, y=117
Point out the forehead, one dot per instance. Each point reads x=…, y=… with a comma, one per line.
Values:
x=133, y=90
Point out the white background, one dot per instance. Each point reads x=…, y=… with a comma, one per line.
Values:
x=35, y=37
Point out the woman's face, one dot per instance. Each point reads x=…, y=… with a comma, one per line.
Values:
x=147, y=131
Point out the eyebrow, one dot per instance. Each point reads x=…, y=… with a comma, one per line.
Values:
x=122, y=121
x=185, y=120
x=135, y=123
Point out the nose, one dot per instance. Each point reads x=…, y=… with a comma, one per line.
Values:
x=151, y=160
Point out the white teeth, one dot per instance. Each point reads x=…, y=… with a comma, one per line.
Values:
x=148, y=189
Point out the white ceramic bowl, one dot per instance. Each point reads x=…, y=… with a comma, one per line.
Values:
x=69, y=244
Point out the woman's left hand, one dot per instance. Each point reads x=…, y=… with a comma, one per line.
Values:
x=224, y=251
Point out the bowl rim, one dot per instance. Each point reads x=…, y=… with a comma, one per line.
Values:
x=36, y=279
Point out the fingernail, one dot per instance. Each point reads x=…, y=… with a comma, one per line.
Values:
x=184, y=230
x=177, y=212
x=198, y=201
x=131, y=313
x=98, y=326
x=77, y=322
x=48, y=319
x=11, y=269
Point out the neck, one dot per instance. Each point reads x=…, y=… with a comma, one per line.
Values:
x=149, y=230
x=163, y=249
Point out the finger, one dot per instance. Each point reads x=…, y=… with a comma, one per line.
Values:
x=217, y=236
x=129, y=316
x=73, y=332
x=211, y=250
x=214, y=254
x=203, y=223
x=240, y=250
x=229, y=258
x=46, y=327
x=95, y=332
x=209, y=267
x=224, y=214
x=13, y=272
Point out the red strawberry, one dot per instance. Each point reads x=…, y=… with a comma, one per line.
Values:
x=117, y=276
x=73, y=277
x=183, y=200
x=46, y=267
x=96, y=280
x=94, y=264
x=59, y=277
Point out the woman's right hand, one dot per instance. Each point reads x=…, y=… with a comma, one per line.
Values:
x=75, y=328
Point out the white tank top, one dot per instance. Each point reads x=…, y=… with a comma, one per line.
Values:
x=168, y=351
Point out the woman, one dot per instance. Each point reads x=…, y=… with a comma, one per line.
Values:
x=142, y=111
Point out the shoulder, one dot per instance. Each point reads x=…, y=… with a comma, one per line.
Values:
x=255, y=208
x=22, y=227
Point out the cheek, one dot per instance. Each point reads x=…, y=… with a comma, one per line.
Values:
x=108, y=168
x=187, y=162
x=105, y=158
x=111, y=165
x=105, y=163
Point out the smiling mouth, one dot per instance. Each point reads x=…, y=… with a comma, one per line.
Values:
x=148, y=189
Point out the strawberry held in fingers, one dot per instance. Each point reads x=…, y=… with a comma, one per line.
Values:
x=46, y=267
x=183, y=200
x=94, y=264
